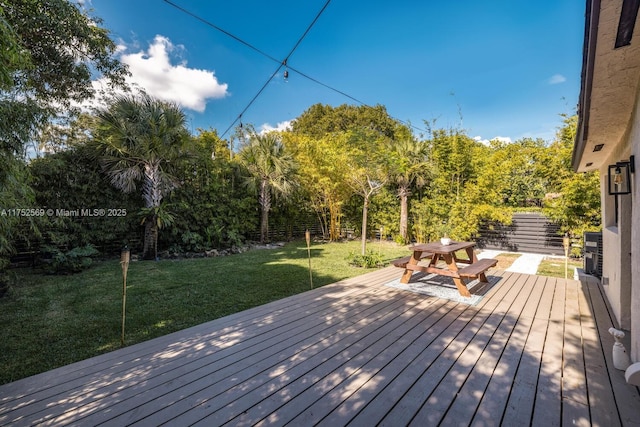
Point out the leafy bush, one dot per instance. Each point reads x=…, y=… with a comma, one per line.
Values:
x=4, y=285
x=73, y=180
x=192, y=242
x=397, y=238
x=370, y=260
x=73, y=261
x=210, y=208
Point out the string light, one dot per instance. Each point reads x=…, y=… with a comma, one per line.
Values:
x=280, y=65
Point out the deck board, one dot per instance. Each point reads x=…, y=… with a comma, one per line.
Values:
x=626, y=396
x=548, y=405
x=600, y=394
x=497, y=326
x=575, y=407
x=438, y=358
x=496, y=396
x=467, y=399
x=521, y=397
x=535, y=350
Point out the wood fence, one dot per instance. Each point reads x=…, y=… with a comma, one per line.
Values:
x=529, y=232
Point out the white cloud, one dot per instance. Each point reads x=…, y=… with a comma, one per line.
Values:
x=504, y=139
x=266, y=127
x=153, y=72
x=557, y=79
x=188, y=87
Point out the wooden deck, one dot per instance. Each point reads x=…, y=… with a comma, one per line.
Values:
x=535, y=351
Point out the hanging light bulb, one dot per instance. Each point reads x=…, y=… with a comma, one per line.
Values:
x=241, y=132
x=617, y=176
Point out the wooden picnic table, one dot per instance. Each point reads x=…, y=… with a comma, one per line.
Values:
x=436, y=251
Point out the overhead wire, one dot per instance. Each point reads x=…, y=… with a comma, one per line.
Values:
x=223, y=31
x=280, y=63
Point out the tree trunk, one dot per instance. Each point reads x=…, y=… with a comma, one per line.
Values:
x=150, y=250
x=334, y=221
x=265, y=206
x=324, y=226
x=152, y=194
x=365, y=210
x=151, y=191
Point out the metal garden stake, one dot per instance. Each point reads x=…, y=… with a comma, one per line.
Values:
x=565, y=243
x=124, y=262
x=307, y=236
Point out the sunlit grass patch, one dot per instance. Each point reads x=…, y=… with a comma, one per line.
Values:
x=555, y=267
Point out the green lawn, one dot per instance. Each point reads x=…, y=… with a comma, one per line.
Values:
x=554, y=267
x=50, y=321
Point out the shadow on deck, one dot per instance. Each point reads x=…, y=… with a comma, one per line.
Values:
x=535, y=350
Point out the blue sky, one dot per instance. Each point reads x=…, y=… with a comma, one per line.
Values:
x=494, y=68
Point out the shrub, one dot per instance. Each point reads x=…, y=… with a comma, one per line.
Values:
x=73, y=261
x=4, y=285
x=192, y=242
x=370, y=260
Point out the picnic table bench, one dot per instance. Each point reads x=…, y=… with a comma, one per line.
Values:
x=402, y=262
x=436, y=251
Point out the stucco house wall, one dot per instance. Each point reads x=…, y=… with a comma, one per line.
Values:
x=633, y=142
x=621, y=241
x=609, y=132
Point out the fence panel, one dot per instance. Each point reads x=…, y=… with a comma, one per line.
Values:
x=529, y=232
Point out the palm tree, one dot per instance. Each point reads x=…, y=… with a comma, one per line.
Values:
x=410, y=167
x=137, y=140
x=271, y=169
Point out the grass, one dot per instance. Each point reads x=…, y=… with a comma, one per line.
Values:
x=554, y=267
x=505, y=260
x=51, y=321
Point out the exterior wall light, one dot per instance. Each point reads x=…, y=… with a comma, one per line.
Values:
x=619, y=178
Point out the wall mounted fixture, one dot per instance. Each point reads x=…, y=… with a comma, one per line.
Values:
x=619, y=179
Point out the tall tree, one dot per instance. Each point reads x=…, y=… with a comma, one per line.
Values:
x=320, y=120
x=323, y=168
x=452, y=154
x=410, y=166
x=369, y=169
x=574, y=198
x=271, y=171
x=453, y=163
x=61, y=48
x=138, y=140
x=12, y=56
x=340, y=138
x=14, y=193
x=49, y=50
